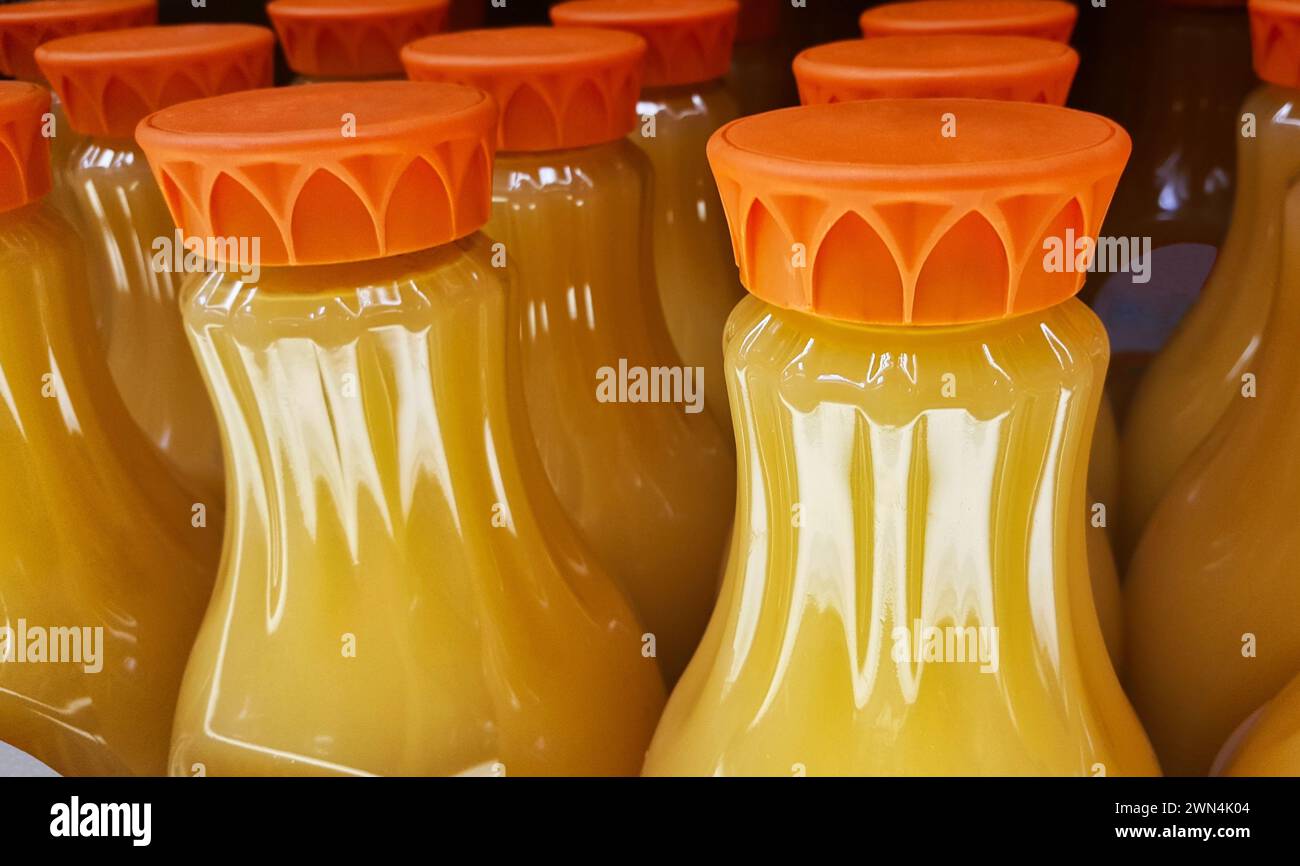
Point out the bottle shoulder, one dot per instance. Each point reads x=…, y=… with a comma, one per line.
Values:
x=1062, y=346
x=392, y=288
x=38, y=238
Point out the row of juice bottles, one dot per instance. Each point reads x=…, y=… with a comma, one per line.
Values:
x=424, y=427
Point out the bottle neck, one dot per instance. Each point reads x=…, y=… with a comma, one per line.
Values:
x=906, y=478
x=349, y=393
x=546, y=208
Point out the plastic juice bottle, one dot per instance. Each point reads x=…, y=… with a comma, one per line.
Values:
x=24, y=27
x=352, y=40
x=683, y=101
x=401, y=592
x=110, y=81
x=1211, y=597
x=913, y=405
x=101, y=587
x=1197, y=377
x=1015, y=68
x=649, y=484
x=1269, y=743
x=760, y=64
x=1195, y=71
x=1041, y=19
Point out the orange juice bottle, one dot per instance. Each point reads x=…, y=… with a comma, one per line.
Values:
x=683, y=101
x=914, y=393
x=401, y=593
x=102, y=583
x=650, y=483
x=351, y=40
x=1041, y=19
x=1015, y=68
x=109, y=82
x=1268, y=744
x=760, y=64
x=25, y=26
x=1197, y=376
x=1211, y=596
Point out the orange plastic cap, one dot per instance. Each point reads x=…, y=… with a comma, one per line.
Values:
x=556, y=88
x=352, y=38
x=24, y=27
x=24, y=150
x=1014, y=68
x=1275, y=36
x=690, y=41
x=1042, y=19
x=328, y=173
x=916, y=211
x=111, y=81
x=759, y=21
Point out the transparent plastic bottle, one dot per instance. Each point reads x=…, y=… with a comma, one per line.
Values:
x=111, y=81
x=401, y=594
x=103, y=574
x=906, y=593
x=1268, y=744
x=352, y=40
x=1211, y=594
x=684, y=100
x=649, y=484
x=978, y=66
x=1197, y=377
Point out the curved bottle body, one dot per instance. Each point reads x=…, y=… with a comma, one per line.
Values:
x=1211, y=594
x=694, y=263
x=642, y=469
x=908, y=589
x=1269, y=744
x=103, y=569
x=133, y=250
x=401, y=595
x=1194, y=381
